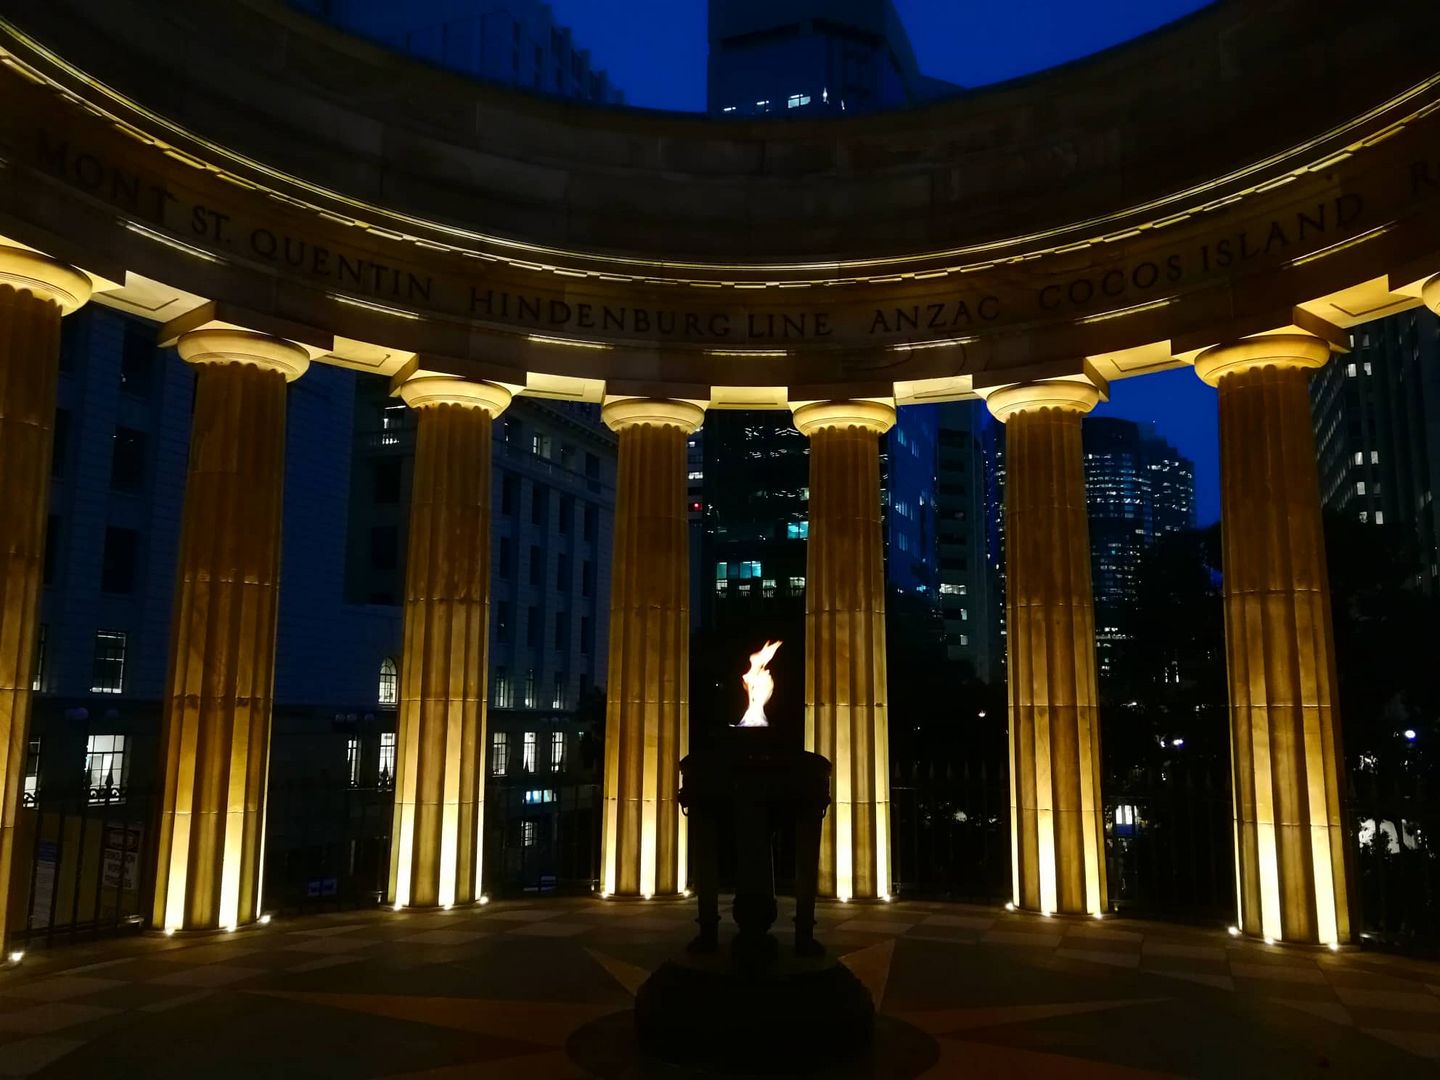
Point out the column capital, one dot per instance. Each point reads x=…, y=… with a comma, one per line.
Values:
x=876, y=416
x=1430, y=293
x=621, y=413
x=234, y=346
x=1302, y=351
x=429, y=391
x=1066, y=395
x=44, y=277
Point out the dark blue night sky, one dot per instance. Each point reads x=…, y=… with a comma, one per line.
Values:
x=655, y=50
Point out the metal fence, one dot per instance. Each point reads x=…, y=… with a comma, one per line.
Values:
x=327, y=846
x=1169, y=841
x=82, y=864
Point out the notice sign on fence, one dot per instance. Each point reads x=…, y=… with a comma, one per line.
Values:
x=120, y=861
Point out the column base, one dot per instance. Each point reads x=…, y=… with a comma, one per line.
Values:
x=432, y=908
x=1061, y=916
x=1292, y=946
x=629, y=898
x=209, y=932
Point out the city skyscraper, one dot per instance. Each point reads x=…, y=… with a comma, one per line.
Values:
x=806, y=57
x=1377, y=430
x=510, y=41
x=967, y=593
x=1138, y=488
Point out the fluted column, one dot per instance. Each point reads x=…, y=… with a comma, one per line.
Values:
x=438, y=836
x=35, y=292
x=845, y=681
x=647, y=721
x=1291, y=879
x=216, y=732
x=1057, y=831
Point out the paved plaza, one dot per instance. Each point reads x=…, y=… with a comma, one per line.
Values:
x=543, y=989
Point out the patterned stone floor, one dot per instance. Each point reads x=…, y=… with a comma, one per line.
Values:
x=543, y=990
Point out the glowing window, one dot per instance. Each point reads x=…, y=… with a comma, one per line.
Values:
x=557, y=751
x=105, y=768
x=527, y=752
x=499, y=753
x=389, y=684
x=387, y=757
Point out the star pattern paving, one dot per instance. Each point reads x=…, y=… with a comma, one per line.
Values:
x=543, y=989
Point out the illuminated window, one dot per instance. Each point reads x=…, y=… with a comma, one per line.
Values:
x=352, y=761
x=797, y=530
x=1379, y=517
x=795, y=101
x=535, y=798
x=767, y=587
x=389, y=684
x=557, y=751
x=527, y=752
x=107, y=675
x=387, y=758
x=30, y=791
x=540, y=445
x=504, y=692
x=105, y=768
x=499, y=753
x=797, y=584
x=527, y=833
x=1360, y=487
x=530, y=700
x=37, y=681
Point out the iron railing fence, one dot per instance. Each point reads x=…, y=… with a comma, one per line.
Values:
x=84, y=860
x=327, y=845
x=82, y=864
x=542, y=836
x=1396, y=861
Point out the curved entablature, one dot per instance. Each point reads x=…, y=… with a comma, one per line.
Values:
x=1253, y=169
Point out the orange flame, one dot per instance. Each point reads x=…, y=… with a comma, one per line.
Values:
x=759, y=684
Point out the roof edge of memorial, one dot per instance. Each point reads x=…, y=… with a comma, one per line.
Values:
x=1057, y=231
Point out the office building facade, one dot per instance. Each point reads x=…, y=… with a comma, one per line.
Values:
x=517, y=42
x=1377, y=431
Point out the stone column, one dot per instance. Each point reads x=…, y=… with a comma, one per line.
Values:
x=1291, y=879
x=1057, y=829
x=438, y=836
x=845, y=681
x=647, y=723
x=216, y=731
x=35, y=292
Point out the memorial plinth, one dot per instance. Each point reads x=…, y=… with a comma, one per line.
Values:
x=753, y=1000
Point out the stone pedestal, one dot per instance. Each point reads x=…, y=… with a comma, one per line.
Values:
x=216, y=731
x=1057, y=824
x=35, y=292
x=845, y=677
x=1284, y=717
x=438, y=829
x=754, y=1005
x=647, y=717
